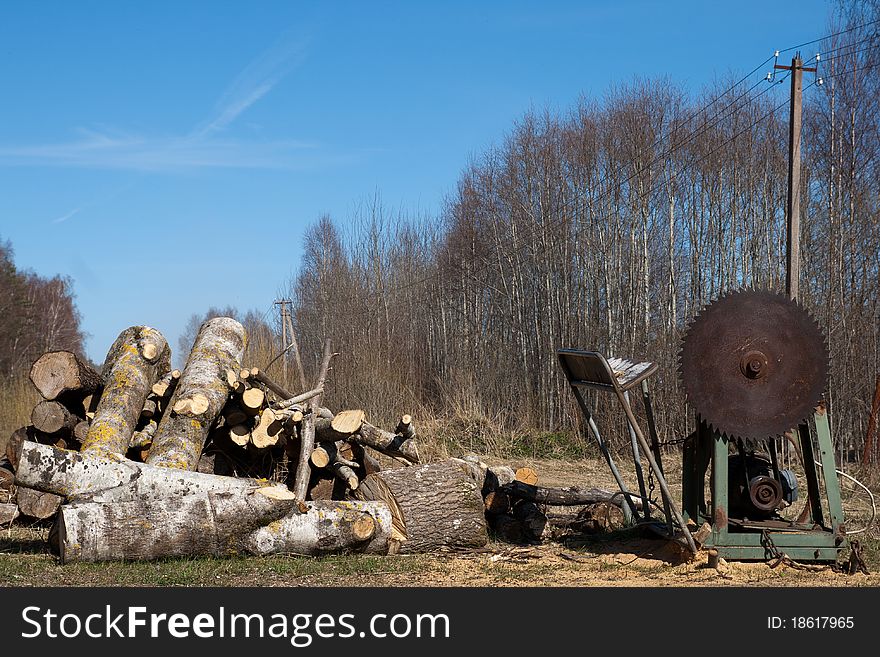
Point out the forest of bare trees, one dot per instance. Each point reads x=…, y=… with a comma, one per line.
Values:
x=607, y=228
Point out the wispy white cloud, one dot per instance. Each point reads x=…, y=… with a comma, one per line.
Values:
x=203, y=147
x=65, y=217
x=256, y=80
x=166, y=154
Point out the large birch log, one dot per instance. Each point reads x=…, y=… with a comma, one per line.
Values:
x=63, y=374
x=199, y=524
x=138, y=357
x=433, y=506
x=199, y=395
x=327, y=527
x=110, y=478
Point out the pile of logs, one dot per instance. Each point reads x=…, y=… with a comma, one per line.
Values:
x=139, y=461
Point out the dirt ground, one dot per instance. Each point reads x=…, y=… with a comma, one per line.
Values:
x=618, y=558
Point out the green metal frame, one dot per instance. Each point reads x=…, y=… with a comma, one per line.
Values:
x=706, y=448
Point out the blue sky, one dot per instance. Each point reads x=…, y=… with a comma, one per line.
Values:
x=168, y=155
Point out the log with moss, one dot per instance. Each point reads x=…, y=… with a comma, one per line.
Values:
x=136, y=360
x=199, y=396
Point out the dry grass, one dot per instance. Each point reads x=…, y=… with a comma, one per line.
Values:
x=19, y=397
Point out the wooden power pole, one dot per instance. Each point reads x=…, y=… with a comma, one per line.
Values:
x=793, y=206
x=283, y=303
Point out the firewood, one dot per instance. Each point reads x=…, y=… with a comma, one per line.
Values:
x=433, y=506
x=252, y=400
x=387, y=442
x=90, y=405
x=7, y=485
x=507, y=528
x=135, y=360
x=81, y=430
x=405, y=428
x=531, y=518
x=327, y=527
x=496, y=501
x=101, y=478
x=8, y=513
x=52, y=417
x=261, y=377
x=268, y=429
x=13, y=445
x=232, y=415
x=526, y=475
x=240, y=434
x=144, y=437
x=197, y=524
x=571, y=496
x=348, y=422
x=150, y=409
x=58, y=373
x=182, y=434
x=36, y=504
x=164, y=387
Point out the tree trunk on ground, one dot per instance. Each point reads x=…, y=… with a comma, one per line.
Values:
x=433, y=506
x=99, y=478
x=327, y=527
x=8, y=513
x=571, y=496
x=58, y=374
x=138, y=357
x=199, y=395
x=35, y=503
x=532, y=519
x=199, y=524
x=52, y=417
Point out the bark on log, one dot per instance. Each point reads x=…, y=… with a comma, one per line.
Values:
x=327, y=527
x=199, y=524
x=571, y=496
x=181, y=436
x=405, y=428
x=532, y=519
x=109, y=478
x=137, y=358
x=433, y=506
x=7, y=486
x=35, y=503
x=52, y=417
x=63, y=373
x=16, y=440
x=81, y=430
x=8, y=513
x=387, y=443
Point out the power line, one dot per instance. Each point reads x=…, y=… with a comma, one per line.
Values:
x=831, y=36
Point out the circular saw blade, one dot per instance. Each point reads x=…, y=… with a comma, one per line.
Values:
x=754, y=364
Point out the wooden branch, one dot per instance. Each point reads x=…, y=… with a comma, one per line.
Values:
x=164, y=387
x=268, y=430
x=387, y=442
x=405, y=428
x=299, y=399
x=571, y=496
x=307, y=435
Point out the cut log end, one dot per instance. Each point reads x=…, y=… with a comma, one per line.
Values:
x=527, y=476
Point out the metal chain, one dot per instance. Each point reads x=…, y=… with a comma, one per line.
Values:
x=777, y=557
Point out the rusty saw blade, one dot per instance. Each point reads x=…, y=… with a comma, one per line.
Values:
x=754, y=364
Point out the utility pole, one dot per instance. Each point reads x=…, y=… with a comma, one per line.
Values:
x=793, y=207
